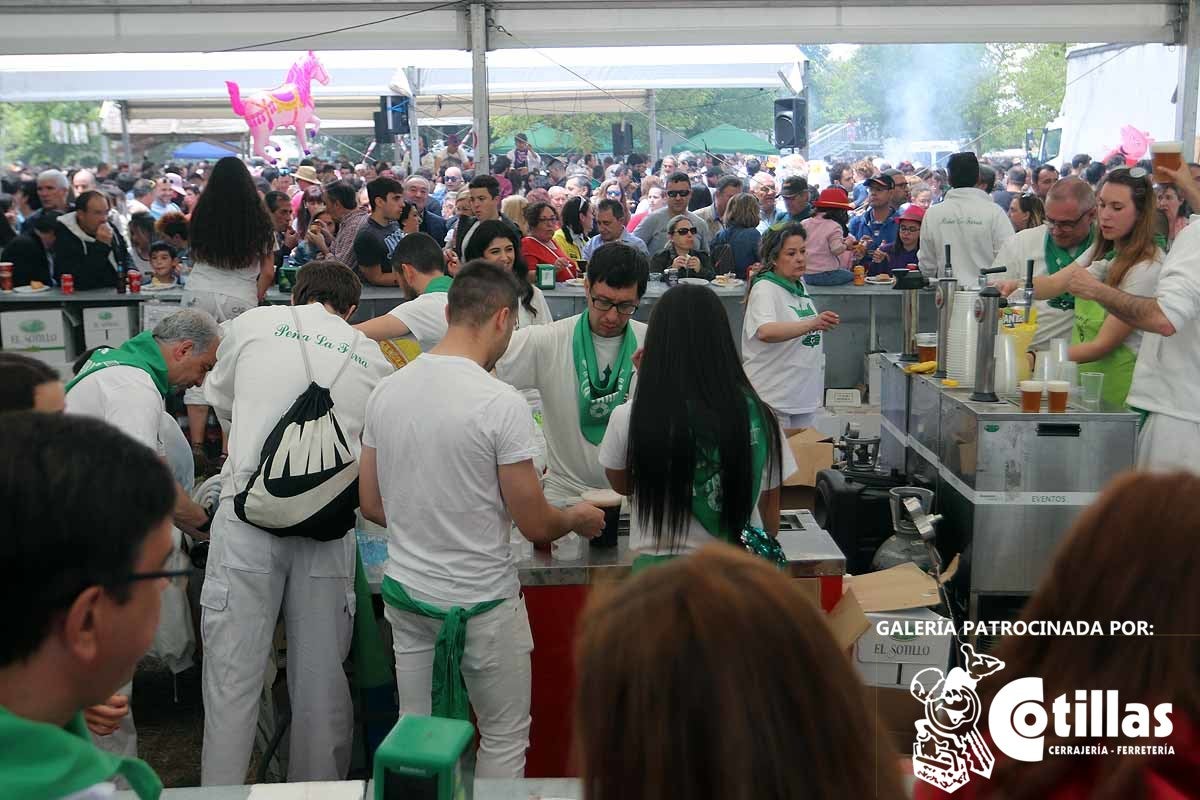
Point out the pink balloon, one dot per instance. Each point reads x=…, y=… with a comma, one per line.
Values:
x=288, y=105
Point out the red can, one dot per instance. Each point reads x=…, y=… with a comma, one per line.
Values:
x=135, y=281
x=67, y=283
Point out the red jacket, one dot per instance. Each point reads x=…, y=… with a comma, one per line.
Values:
x=535, y=252
x=1165, y=777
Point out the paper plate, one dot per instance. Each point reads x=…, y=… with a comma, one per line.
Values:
x=159, y=287
x=31, y=290
x=574, y=281
x=694, y=281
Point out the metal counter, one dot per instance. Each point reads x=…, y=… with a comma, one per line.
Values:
x=870, y=315
x=811, y=553
x=1009, y=484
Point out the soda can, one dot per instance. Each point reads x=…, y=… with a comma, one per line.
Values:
x=67, y=283
x=135, y=281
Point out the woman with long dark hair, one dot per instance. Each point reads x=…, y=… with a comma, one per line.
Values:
x=697, y=450
x=576, y=228
x=232, y=246
x=1126, y=256
x=8, y=220
x=1152, y=583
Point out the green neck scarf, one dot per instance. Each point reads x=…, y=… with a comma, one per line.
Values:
x=706, y=483
x=1057, y=258
x=598, y=399
x=39, y=760
x=439, y=284
x=795, y=287
x=141, y=351
x=450, y=698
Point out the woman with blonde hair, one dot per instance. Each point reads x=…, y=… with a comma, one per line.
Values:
x=1152, y=583
x=514, y=207
x=733, y=688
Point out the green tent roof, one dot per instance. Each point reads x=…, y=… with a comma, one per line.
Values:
x=727, y=139
x=544, y=139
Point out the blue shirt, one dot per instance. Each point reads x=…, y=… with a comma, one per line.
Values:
x=880, y=233
x=626, y=238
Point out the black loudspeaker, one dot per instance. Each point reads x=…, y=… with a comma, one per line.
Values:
x=382, y=135
x=395, y=111
x=791, y=123
x=622, y=137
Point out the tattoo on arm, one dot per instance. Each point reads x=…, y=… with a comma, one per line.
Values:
x=1142, y=313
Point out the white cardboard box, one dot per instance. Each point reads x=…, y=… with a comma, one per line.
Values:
x=843, y=397
x=890, y=658
x=107, y=326
x=41, y=334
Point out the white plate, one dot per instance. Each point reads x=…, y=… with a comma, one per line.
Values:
x=30, y=290
x=730, y=284
x=875, y=279
x=159, y=287
x=574, y=281
x=694, y=281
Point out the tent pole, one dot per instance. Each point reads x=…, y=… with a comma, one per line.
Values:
x=652, y=113
x=414, y=151
x=126, y=146
x=479, y=87
x=1189, y=79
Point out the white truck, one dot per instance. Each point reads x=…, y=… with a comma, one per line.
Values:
x=1117, y=95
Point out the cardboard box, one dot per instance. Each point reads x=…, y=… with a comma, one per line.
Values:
x=107, y=326
x=813, y=452
x=843, y=397
x=41, y=334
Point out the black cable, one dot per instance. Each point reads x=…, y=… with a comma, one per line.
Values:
x=260, y=45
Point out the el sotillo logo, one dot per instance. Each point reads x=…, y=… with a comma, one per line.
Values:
x=949, y=746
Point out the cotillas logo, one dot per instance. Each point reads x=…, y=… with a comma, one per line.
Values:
x=949, y=745
x=105, y=315
x=33, y=326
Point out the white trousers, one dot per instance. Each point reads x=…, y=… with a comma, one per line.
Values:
x=250, y=576
x=1169, y=443
x=495, y=667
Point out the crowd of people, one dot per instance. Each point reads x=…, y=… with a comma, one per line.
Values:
x=505, y=421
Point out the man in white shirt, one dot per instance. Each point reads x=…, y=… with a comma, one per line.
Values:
x=1067, y=234
x=421, y=269
x=127, y=388
x=448, y=484
x=653, y=229
x=1166, y=380
x=968, y=220
x=582, y=365
x=268, y=358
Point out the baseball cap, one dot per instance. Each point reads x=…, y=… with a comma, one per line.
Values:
x=176, y=183
x=884, y=181
x=794, y=186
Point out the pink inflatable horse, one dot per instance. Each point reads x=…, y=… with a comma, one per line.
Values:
x=289, y=105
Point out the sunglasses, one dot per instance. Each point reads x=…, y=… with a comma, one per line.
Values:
x=679, y=193
x=685, y=231
x=614, y=195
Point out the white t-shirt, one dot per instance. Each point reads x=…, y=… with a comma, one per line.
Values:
x=974, y=227
x=240, y=283
x=612, y=456
x=1141, y=279
x=525, y=320
x=425, y=317
x=541, y=357
x=1052, y=323
x=789, y=376
x=124, y=397
x=260, y=373
x=1166, y=379
x=448, y=526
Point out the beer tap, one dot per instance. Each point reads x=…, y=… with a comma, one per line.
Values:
x=1024, y=299
x=944, y=299
x=987, y=314
x=911, y=282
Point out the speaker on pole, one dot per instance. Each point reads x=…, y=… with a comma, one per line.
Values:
x=791, y=123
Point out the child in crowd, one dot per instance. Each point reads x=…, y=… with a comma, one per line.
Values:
x=164, y=264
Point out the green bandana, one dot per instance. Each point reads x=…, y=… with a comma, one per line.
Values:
x=39, y=761
x=795, y=287
x=596, y=399
x=439, y=284
x=449, y=690
x=706, y=483
x=1057, y=258
x=141, y=351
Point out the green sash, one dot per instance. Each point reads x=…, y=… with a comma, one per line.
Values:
x=39, y=761
x=141, y=351
x=1057, y=258
x=706, y=483
x=596, y=399
x=795, y=287
x=449, y=690
x=646, y=561
x=371, y=665
x=1117, y=366
x=439, y=284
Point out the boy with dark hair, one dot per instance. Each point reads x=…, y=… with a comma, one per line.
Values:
x=164, y=264
x=421, y=270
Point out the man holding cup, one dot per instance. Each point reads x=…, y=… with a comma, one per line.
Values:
x=1166, y=380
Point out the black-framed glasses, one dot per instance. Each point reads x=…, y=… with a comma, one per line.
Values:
x=542, y=220
x=679, y=193
x=604, y=304
x=152, y=576
x=685, y=231
x=910, y=229
x=1067, y=223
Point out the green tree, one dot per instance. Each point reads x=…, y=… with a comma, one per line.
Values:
x=25, y=133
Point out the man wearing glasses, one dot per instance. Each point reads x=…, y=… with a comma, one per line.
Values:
x=610, y=221
x=653, y=229
x=1067, y=234
x=86, y=596
x=583, y=367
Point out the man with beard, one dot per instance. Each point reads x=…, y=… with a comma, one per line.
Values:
x=421, y=270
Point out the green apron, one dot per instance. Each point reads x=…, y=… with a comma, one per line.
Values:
x=1117, y=366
